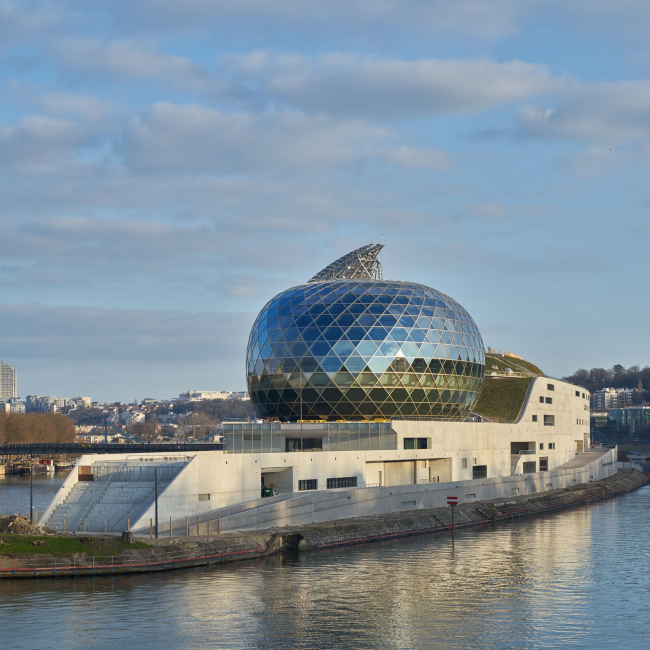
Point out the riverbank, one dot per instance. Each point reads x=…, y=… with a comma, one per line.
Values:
x=49, y=557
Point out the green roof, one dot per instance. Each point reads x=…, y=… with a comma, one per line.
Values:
x=502, y=398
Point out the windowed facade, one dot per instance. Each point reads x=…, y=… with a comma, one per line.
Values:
x=543, y=464
x=529, y=467
x=310, y=484
x=549, y=420
x=344, y=482
x=541, y=445
x=549, y=400
x=534, y=418
x=550, y=386
x=551, y=445
x=249, y=437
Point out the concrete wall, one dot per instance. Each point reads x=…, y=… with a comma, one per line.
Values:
x=330, y=505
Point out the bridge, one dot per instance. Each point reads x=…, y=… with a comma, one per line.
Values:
x=78, y=448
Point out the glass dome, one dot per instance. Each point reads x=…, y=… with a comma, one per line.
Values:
x=362, y=350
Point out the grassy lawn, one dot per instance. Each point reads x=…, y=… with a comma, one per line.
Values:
x=516, y=365
x=502, y=398
x=22, y=545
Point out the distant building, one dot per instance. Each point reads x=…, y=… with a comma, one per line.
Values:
x=52, y=404
x=8, y=382
x=12, y=405
x=132, y=417
x=610, y=398
x=629, y=421
x=202, y=395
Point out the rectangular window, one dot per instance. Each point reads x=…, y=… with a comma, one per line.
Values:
x=473, y=461
x=312, y=444
x=344, y=482
x=549, y=420
x=541, y=399
x=311, y=484
x=415, y=443
x=304, y=444
x=293, y=444
x=204, y=497
x=577, y=393
x=550, y=386
x=479, y=471
x=464, y=463
x=549, y=400
x=534, y=418
x=541, y=445
x=543, y=464
x=551, y=445
x=530, y=467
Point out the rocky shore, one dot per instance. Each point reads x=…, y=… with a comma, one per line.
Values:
x=31, y=552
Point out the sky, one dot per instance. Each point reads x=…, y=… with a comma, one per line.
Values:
x=167, y=167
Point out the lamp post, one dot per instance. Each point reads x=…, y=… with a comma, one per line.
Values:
x=31, y=493
x=155, y=479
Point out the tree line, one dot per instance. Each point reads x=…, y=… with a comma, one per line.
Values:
x=36, y=427
x=615, y=377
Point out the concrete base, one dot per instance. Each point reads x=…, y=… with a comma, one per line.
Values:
x=329, y=505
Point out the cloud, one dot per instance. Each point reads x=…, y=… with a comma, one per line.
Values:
x=470, y=17
x=412, y=157
x=38, y=139
x=490, y=212
x=88, y=333
x=596, y=161
x=84, y=107
x=612, y=113
x=127, y=60
x=194, y=138
x=348, y=84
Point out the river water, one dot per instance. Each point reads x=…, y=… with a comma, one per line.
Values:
x=573, y=579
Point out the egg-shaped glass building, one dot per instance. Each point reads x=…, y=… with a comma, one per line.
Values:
x=363, y=348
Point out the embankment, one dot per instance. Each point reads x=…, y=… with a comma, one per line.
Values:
x=181, y=552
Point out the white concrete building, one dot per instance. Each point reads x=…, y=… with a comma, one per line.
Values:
x=308, y=466
x=610, y=398
x=132, y=417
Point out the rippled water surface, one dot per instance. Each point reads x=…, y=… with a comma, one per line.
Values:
x=574, y=579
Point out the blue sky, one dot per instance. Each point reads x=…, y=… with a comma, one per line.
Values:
x=166, y=168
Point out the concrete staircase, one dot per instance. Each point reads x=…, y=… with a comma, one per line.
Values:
x=110, y=502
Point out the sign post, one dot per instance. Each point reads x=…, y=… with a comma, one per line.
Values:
x=453, y=502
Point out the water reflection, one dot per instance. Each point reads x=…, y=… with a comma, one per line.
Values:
x=573, y=579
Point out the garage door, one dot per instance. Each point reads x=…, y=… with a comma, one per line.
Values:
x=400, y=473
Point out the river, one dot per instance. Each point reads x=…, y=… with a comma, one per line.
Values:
x=573, y=579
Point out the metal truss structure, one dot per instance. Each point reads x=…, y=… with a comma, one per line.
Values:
x=361, y=264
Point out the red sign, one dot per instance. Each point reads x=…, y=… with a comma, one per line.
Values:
x=452, y=501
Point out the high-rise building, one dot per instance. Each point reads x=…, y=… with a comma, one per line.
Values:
x=8, y=384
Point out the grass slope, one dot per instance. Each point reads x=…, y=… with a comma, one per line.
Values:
x=15, y=545
x=516, y=365
x=502, y=398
